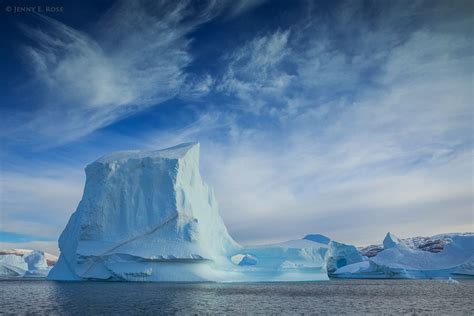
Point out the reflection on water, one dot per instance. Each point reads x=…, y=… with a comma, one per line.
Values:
x=339, y=296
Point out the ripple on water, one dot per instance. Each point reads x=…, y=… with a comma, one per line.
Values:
x=334, y=297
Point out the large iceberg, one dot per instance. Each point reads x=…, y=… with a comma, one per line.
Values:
x=148, y=216
x=25, y=263
x=145, y=215
x=398, y=260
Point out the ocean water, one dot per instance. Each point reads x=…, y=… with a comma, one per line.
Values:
x=333, y=297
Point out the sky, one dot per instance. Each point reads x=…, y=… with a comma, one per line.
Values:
x=344, y=118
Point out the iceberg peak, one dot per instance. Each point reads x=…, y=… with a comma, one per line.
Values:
x=391, y=241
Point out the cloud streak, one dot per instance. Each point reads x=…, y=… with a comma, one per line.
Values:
x=376, y=136
x=89, y=80
x=350, y=122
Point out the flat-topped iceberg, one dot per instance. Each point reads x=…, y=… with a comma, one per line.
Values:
x=148, y=216
x=145, y=215
x=397, y=260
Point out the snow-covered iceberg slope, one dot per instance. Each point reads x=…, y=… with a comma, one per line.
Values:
x=397, y=260
x=145, y=215
x=25, y=263
x=148, y=216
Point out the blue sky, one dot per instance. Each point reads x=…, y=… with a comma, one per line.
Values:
x=346, y=118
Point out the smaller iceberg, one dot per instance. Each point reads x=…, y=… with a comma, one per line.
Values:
x=25, y=263
x=397, y=260
x=340, y=255
x=315, y=257
x=452, y=281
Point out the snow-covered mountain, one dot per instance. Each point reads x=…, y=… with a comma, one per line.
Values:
x=25, y=263
x=432, y=244
x=148, y=216
x=399, y=259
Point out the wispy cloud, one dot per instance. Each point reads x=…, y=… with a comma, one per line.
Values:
x=236, y=8
x=86, y=81
x=255, y=72
x=349, y=123
x=375, y=133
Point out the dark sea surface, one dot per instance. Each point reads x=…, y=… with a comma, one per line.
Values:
x=332, y=297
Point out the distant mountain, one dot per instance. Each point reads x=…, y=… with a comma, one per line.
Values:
x=416, y=258
x=432, y=244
